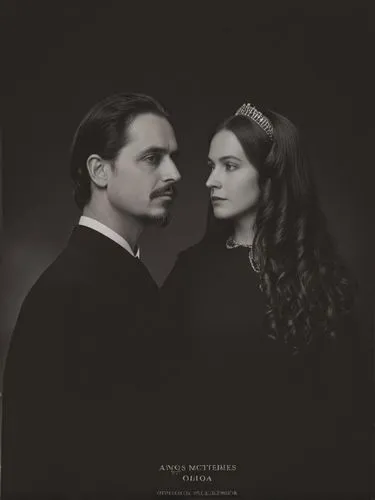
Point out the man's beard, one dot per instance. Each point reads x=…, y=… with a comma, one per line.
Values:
x=161, y=220
x=157, y=220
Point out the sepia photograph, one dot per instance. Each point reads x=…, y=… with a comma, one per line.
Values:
x=186, y=253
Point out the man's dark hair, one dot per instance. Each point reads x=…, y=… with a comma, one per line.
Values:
x=103, y=131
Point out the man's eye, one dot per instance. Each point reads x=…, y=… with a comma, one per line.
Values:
x=153, y=159
x=210, y=166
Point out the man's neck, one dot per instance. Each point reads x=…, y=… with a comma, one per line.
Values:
x=126, y=226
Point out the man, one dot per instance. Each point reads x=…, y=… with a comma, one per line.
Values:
x=81, y=372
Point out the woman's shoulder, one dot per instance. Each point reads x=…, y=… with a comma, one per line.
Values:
x=196, y=257
x=340, y=351
x=196, y=252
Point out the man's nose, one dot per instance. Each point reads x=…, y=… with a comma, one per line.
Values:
x=170, y=172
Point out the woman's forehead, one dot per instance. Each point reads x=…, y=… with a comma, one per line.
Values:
x=225, y=143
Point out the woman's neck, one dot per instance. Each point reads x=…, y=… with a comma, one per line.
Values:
x=244, y=229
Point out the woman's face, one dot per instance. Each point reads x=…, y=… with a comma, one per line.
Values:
x=233, y=181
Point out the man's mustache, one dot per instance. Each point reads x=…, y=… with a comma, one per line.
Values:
x=169, y=190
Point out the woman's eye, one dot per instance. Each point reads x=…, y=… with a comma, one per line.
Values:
x=231, y=166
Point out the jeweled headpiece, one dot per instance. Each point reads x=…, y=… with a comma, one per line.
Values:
x=251, y=112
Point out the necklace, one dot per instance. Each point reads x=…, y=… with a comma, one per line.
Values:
x=232, y=243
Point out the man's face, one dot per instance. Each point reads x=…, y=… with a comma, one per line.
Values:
x=142, y=181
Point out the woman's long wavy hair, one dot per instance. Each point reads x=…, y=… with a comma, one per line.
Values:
x=307, y=287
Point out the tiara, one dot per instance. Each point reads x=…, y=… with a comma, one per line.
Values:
x=251, y=111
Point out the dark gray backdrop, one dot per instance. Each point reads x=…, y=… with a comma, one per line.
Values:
x=307, y=60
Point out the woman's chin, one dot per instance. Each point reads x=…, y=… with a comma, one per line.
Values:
x=221, y=214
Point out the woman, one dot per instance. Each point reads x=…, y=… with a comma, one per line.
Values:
x=261, y=311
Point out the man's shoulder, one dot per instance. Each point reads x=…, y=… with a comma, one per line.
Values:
x=69, y=275
x=78, y=273
x=65, y=271
x=55, y=281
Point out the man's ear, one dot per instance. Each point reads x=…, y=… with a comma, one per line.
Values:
x=98, y=170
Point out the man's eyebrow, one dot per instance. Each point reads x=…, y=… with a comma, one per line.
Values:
x=175, y=153
x=158, y=150
x=153, y=150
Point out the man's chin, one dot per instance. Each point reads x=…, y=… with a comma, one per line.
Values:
x=159, y=220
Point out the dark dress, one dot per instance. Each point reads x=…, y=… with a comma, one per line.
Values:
x=294, y=425
x=80, y=379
